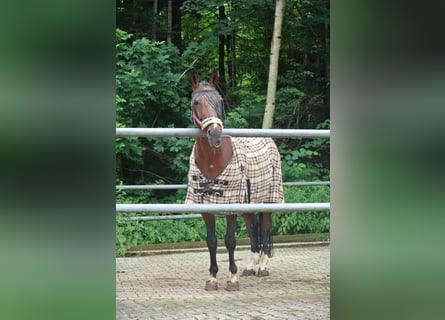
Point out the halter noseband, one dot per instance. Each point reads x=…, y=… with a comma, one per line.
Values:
x=212, y=120
x=207, y=122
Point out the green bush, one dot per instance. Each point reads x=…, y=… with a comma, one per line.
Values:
x=303, y=222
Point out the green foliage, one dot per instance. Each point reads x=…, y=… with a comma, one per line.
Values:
x=130, y=147
x=174, y=152
x=303, y=222
x=306, y=222
x=294, y=170
x=200, y=7
x=149, y=93
x=250, y=109
x=300, y=165
x=237, y=118
x=198, y=51
x=147, y=75
x=130, y=233
x=306, y=160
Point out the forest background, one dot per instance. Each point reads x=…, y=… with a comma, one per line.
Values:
x=159, y=42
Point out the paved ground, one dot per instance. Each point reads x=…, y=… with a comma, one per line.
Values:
x=171, y=286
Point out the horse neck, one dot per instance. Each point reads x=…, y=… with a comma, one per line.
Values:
x=212, y=161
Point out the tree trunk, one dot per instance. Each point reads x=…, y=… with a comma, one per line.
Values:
x=273, y=65
x=177, y=24
x=233, y=59
x=169, y=21
x=221, y=57
x=327, y=62
x=155, y=20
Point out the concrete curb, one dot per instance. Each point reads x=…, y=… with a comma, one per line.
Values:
x=220, y=249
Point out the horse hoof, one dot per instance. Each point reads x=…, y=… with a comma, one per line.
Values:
x=263, y=273
x=211, y=285
x=248, y=272
x=232, y=286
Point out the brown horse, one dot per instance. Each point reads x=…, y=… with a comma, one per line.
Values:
x=226, y=169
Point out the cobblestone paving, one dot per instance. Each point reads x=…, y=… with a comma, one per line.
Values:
x=171, y=286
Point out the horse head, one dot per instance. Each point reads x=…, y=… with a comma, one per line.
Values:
x=208, y=108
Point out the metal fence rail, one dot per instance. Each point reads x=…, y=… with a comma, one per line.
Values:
x=184, y=186
x=167, y=217
x=235, y=207
x=194, y=132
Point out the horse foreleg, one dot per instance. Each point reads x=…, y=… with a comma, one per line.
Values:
x=252, y=228
x=266, y=238
x=209, y=219
x=230, y=242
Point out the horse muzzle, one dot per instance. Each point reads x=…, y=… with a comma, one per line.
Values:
x=214, y=128
x=214, y=134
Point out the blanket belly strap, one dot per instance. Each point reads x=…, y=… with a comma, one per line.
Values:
x=215, y=192
x=208, y=182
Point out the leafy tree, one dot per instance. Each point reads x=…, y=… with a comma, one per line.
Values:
x=149, y=93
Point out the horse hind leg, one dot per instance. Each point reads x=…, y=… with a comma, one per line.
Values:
x=263, y=270
x=266, y=239
x=254, y=259
x=252, y=228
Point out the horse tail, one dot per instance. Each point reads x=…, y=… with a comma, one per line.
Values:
x=261, y=235
x=260, y=229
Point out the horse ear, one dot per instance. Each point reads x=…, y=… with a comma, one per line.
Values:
x=213, y=81
x=194, y=80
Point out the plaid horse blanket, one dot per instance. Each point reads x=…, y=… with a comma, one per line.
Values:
x=253, y=175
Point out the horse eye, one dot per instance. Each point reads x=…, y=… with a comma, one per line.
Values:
x=196, y=103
